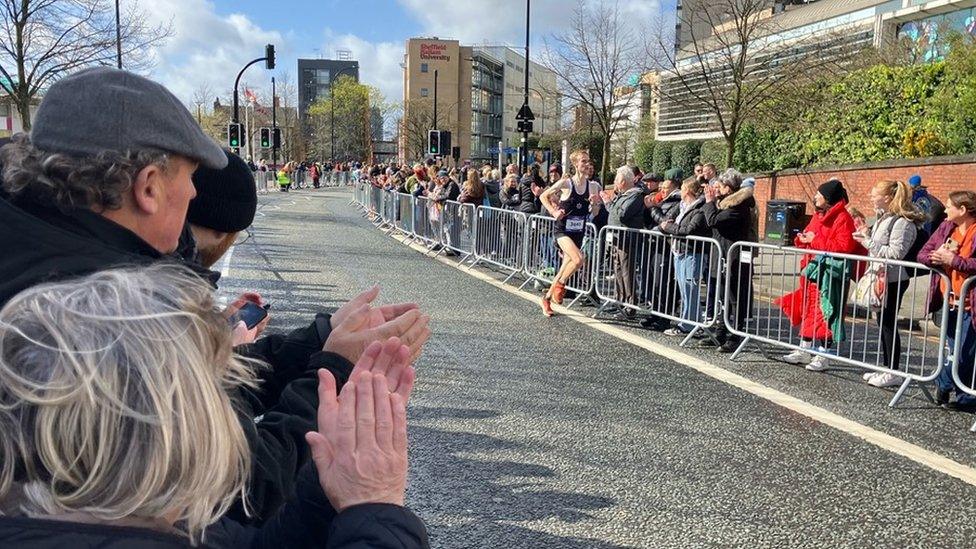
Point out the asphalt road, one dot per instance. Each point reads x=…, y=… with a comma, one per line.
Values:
x=546, y=433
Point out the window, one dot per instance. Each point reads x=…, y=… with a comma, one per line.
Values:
x=423, y=67
x=424, y=92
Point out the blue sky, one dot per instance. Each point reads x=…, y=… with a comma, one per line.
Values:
x=214, y=38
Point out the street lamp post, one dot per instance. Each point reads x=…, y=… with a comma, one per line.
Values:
x=332, y=93
x=525, y=134
x=118, y=34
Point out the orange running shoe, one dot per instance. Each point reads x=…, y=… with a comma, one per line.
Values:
x=558, y=292
x=546, y=305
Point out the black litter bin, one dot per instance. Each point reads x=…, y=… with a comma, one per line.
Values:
x=784, y=219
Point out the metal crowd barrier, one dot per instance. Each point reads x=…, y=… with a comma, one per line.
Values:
x=772, y=298
x=542, y=256
x=499, y=239
x=376, y=204
x=389, y=209
x=963, y=367
x=670, y=277
x=426, y=221
x=457, y=228
x=405, y=214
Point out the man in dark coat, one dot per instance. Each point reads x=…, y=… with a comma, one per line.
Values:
x=95, y=194
x=729, y=214
x=662, y=297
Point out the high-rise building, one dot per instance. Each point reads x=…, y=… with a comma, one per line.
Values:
x=315, y=78
x=479, y=91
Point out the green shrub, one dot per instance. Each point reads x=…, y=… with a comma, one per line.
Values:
x=644, y=154
x=662, y=157
x=685, y=154
x=713, y=151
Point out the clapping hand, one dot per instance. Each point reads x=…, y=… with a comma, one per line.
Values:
x=385, y=312
x=364, y=326
x=360, y=448
x=710, y=193
x=806, y=238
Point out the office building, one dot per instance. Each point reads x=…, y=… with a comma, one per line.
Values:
x=315, y=78
x=479, y=92
x=796, y=28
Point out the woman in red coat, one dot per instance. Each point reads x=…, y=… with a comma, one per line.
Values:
x=830, y=230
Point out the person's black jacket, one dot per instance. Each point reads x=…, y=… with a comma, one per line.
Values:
x=529, y=203
x=691, y=224
x=492, y=188
x=667, y=210
x=307, y=520
x=43, y=244
x=731, y=218
x=511, y=198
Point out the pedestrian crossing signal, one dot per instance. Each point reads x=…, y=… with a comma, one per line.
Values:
x=265, y=138
x=434, y=142
x=234, y=133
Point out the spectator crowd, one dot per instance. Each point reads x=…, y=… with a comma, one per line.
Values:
x=680, y=278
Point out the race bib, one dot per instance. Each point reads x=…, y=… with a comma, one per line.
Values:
x=575, y=224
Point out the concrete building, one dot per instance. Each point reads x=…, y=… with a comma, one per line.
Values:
x=479, y=91
x=315, y=78
x=798, y=27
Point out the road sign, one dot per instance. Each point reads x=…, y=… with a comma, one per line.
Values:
x=493, y=150
x=510, y=150
x=525, y=113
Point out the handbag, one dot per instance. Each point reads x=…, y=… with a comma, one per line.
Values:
x=870, y=290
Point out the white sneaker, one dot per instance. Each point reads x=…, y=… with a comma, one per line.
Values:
x=867, y=377
x=886, y=380
x=818, y=364
x=797, y=357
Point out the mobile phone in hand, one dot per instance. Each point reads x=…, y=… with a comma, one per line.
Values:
x=251, y=314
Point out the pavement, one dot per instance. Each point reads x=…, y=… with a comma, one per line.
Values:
x=528, y=432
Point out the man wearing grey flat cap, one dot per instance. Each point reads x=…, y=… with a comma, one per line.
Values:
x=104, y=178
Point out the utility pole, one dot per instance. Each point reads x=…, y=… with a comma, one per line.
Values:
x=118, y=34
x=274, y=125
x=525, y=134
x=435, y=100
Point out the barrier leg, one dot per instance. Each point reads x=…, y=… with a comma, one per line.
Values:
x=509, y=276
x=745, y=343
x=973, y=428
x=900, y=392
x=601, y=310
x=526, y=283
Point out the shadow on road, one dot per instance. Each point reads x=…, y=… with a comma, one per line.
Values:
x=477, y=502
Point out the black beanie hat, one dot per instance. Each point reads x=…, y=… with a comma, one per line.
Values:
x=226, y=199
x=833, y=191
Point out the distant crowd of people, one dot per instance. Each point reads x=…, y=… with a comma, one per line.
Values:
x=680, y=278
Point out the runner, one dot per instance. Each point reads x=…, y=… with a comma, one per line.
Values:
x=578, y=198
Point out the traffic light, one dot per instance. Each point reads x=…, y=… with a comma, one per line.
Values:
x=269, y=54
x=265, y=138
x=434, y=142
x=276, y=138
x=234, y=133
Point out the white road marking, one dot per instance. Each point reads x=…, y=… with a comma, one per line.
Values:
x=225, y=266
x=922, y=456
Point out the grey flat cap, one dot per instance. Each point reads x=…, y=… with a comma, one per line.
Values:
x=107, y=109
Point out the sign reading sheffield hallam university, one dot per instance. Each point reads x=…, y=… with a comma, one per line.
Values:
x=434, y=52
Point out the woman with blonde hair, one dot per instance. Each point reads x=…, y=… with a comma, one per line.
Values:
x=117, y=426
x=891, y=237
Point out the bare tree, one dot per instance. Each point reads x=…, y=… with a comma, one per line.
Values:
x=731, y=70
x=203, y=97
x=43, y=40
x=598, y=56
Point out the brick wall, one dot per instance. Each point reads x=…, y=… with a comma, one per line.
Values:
x=940, y=174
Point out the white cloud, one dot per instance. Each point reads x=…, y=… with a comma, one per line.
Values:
x=379, y=62
x=503, y=21
x=208, y=47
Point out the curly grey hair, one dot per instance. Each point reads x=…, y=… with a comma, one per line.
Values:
x=731, y=178
x=97, y=182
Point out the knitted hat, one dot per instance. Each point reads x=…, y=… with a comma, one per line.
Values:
x=915, y=180
x=833, y=191
x=226, y=199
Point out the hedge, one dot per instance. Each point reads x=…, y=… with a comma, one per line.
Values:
x=662, y=157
